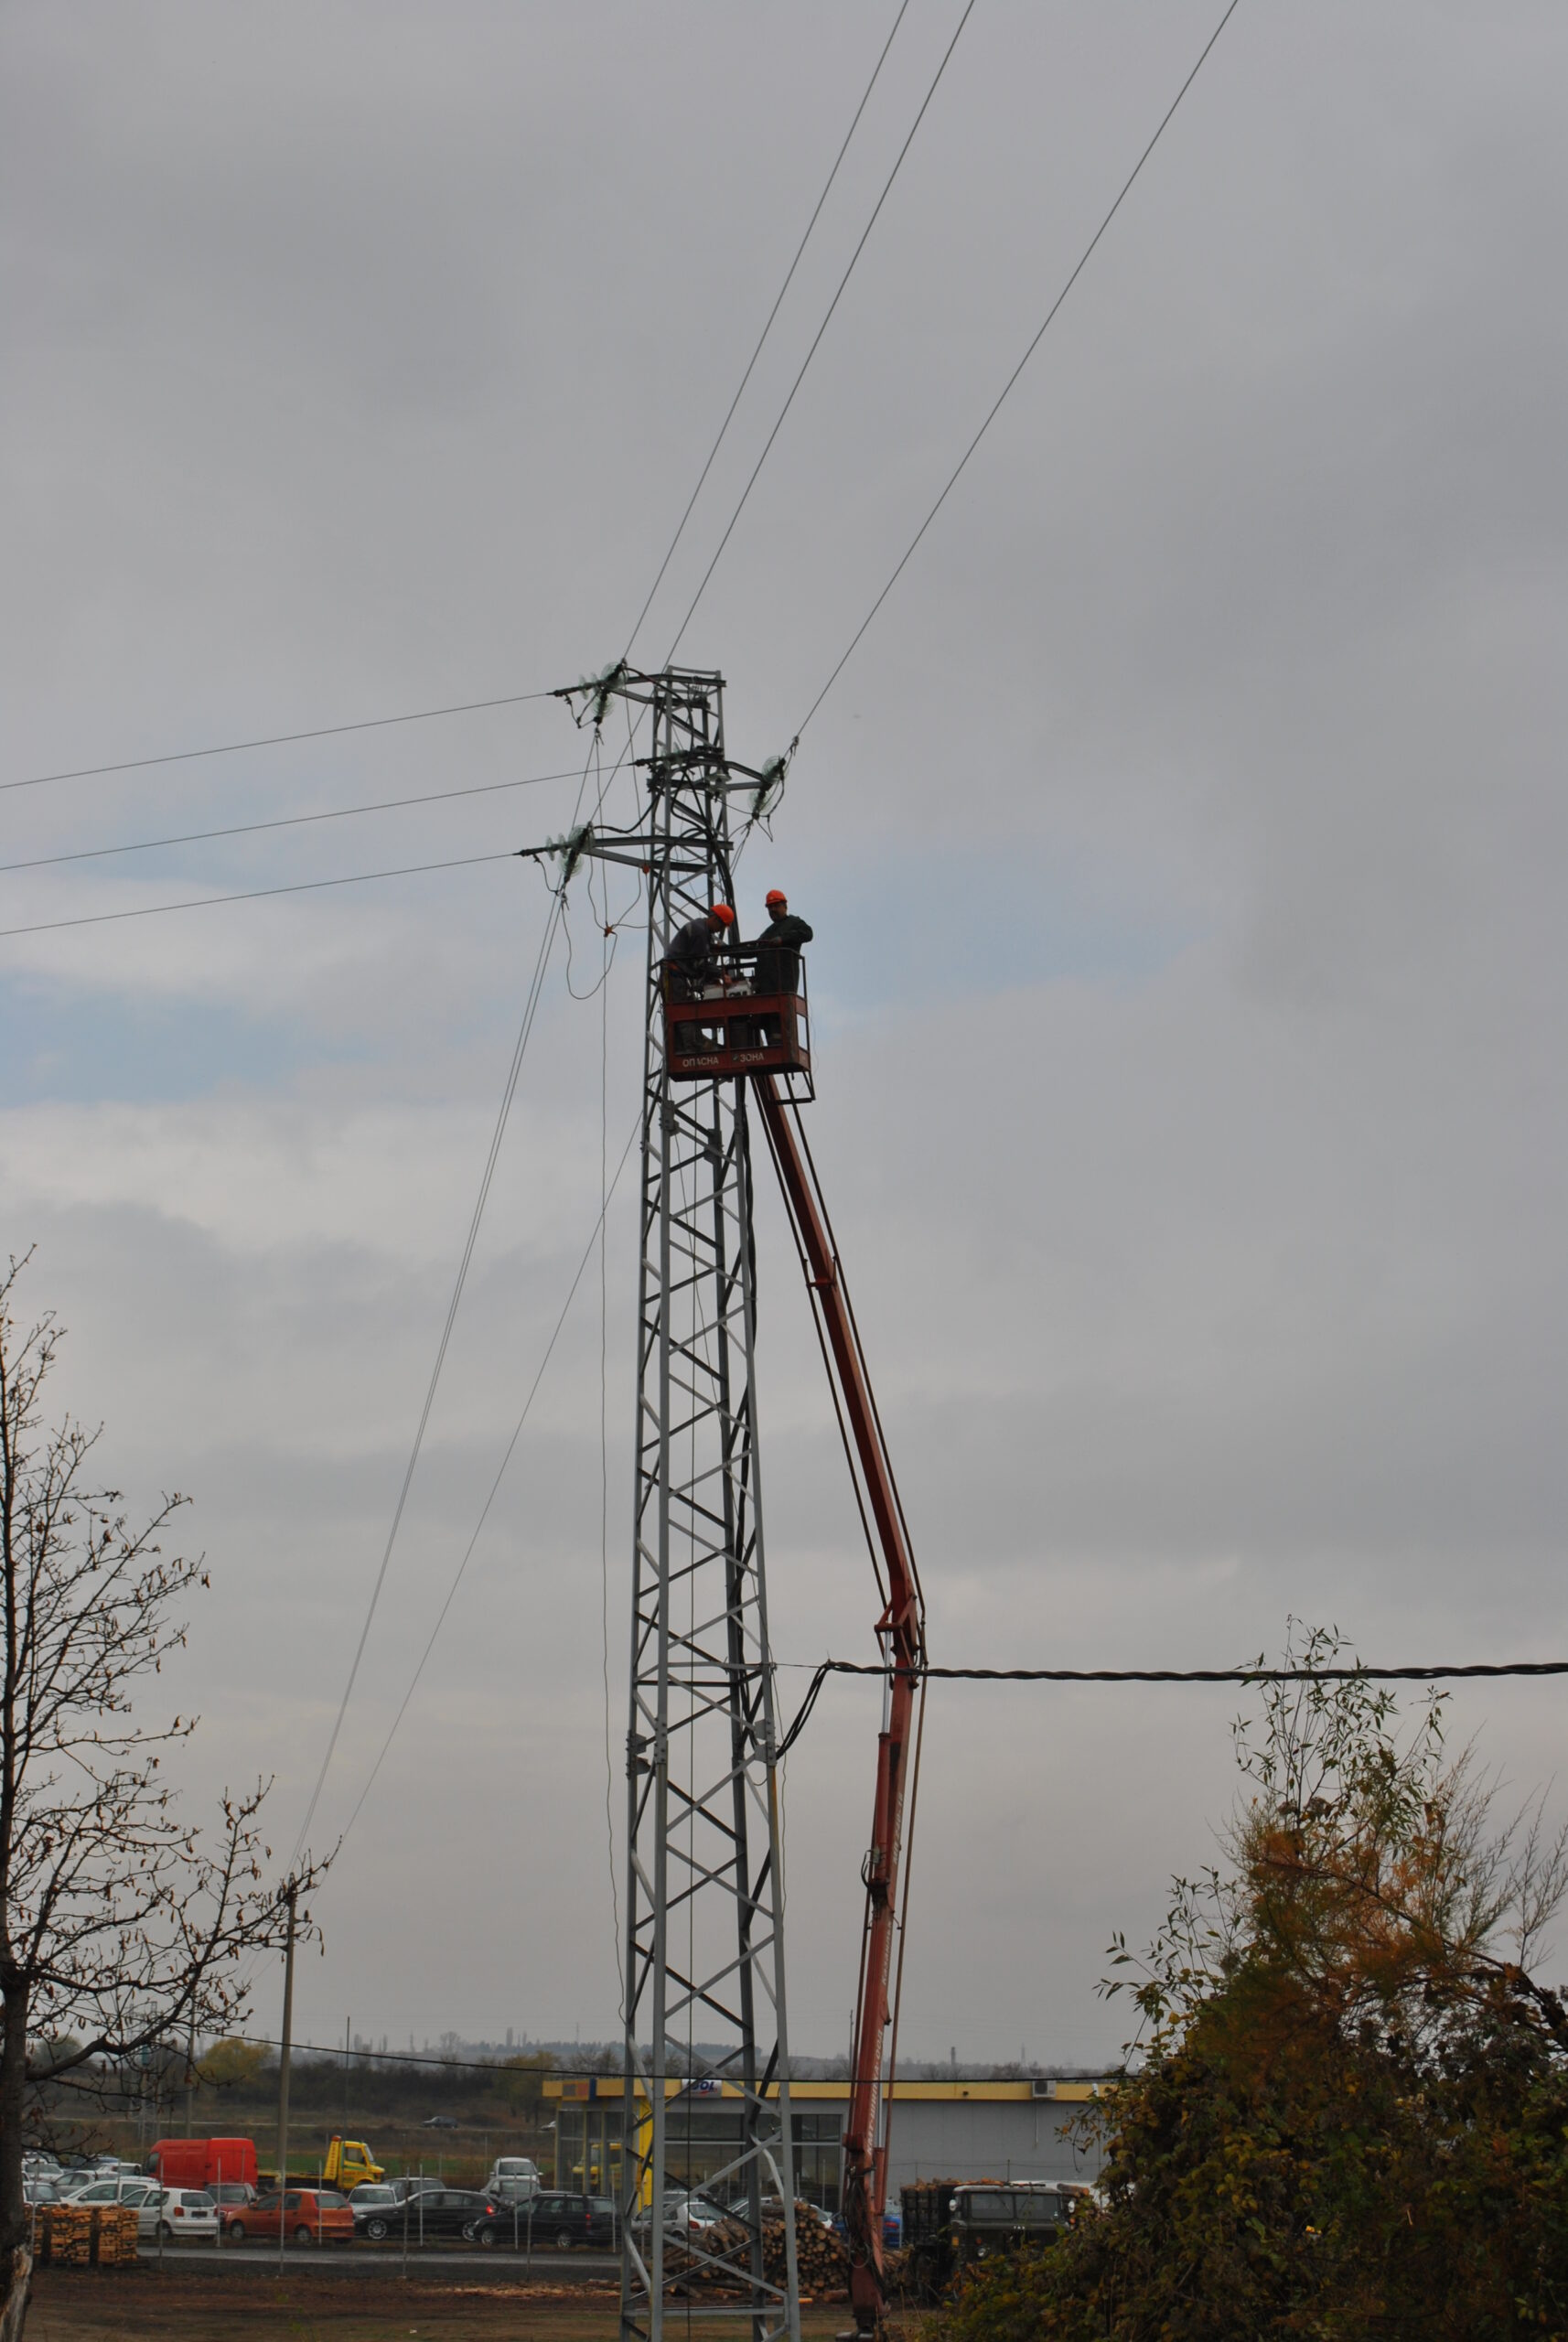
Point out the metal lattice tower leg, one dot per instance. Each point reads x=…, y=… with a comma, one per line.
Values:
x=705, y=2031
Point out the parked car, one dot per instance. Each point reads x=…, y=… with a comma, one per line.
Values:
x=374, y=2200
x=126, y=2189
x=773, y=2209
x=40, y=2191
x=378, y=2209
x=305, y=2215
x=433, y=2212
x=684, y=2215
x=438, y=2122
x=510, y=2221
x=226, y=2193
x=562, y=2221
x=550, y=2221
x=513, y=2177
x=179, y=2215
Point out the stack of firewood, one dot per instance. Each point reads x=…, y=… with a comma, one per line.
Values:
x=118, y=2234
x=821, y=2260
x=73, y=2236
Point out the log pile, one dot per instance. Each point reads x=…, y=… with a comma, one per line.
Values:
x=79, y=2236
x=822, y=2258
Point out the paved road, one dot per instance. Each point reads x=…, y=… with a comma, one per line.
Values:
x=475, y=2264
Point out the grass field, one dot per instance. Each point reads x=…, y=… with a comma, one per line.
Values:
x=137, y=2305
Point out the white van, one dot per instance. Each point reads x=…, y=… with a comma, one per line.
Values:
x=513, y=2179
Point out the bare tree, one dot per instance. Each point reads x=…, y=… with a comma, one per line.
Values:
x=121, y=1925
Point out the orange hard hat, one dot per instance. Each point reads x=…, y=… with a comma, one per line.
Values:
x=722, y=913
x=776, y=895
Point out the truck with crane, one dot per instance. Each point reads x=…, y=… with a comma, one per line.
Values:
x=728, y=1037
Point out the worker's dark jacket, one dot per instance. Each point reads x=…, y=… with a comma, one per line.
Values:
x=691, y=959
x=778, y=954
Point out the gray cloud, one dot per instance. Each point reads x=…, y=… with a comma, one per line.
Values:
x=1185, y=842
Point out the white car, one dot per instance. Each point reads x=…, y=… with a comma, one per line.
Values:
x=513, y=2178
x=179, y=2214
x=127, y=2189
x=690, y=2216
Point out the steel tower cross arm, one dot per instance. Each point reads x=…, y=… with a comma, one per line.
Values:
x=901, y=1632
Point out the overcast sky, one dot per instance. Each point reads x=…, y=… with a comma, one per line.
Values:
x=1184, y=845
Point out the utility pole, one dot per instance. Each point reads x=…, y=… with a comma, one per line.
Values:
x=190, y=2075
x=291, y=1896
x=706, y=2043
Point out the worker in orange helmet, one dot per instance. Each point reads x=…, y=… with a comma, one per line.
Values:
x=778, y=959
x=692, y=957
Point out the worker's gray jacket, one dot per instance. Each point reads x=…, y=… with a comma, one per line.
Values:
x=690, y=958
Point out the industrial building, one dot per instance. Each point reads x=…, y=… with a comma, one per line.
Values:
x=936, y=2130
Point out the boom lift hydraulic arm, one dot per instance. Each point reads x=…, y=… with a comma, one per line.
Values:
x=901, y=1634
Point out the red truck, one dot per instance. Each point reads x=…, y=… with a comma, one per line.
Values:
x=204, y=2162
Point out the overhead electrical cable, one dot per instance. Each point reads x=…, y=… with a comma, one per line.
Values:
x=821, y=329
x=275, y=740
x=508, y=1092
x=524, y=1030
x=289, y=821
x=773, y=312
x=593, y=1240
x=1017, y=370
x=496, y=2065
x=257, y=894
x=1484, y=1672
x=330, y=731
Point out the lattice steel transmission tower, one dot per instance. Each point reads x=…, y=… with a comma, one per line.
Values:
x=706, y=2040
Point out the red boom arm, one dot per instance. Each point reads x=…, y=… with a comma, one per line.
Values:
x=901, y=1633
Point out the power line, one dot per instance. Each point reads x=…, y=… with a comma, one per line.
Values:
x=413, y=2056
x=821, y=329
x=509, y=2062
x=524, y=1030
x=256, y=894
x=418, y=715
x=756, y=353
x=1440, y=1674
x=275, y=740
x=495, y=1485
x=773, y=312
x=1017, y=370
x=289, y=821
x=508, y=1093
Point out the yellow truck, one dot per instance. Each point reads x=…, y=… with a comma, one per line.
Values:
x=348, y=2160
